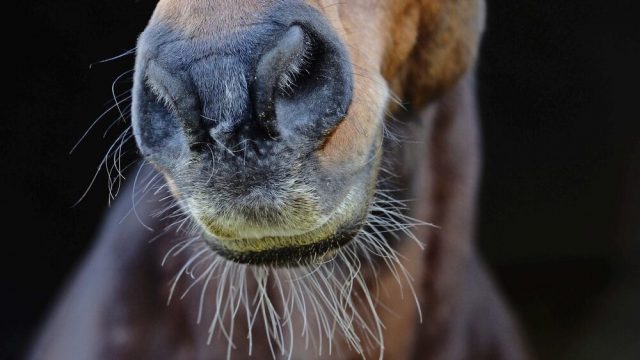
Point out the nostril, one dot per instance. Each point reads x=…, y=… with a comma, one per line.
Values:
x=299, y=65
x=303, y=84
x=275, y=70
x=279, y=63
x=174, y=94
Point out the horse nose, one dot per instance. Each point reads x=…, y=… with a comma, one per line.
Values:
x=303, y=85
x=284, y=83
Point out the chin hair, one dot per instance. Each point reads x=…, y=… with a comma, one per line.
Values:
x=335, y=297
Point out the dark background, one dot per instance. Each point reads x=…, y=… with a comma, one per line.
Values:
x=560, y=203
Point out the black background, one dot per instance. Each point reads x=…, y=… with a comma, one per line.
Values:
x=560, y=203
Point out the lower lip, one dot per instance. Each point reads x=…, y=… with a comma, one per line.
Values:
x=293, y=256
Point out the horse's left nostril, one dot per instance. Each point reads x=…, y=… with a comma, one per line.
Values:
x=275, y=71
x=303, y=84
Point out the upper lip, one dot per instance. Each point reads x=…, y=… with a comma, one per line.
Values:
x=337, y=229
x=325, y=228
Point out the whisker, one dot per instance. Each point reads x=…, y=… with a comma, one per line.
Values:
x=124, y=54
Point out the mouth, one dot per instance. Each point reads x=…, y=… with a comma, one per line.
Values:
x=298, y=254
x=314, y=246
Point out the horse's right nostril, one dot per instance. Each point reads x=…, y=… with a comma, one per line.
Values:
x=303, y=84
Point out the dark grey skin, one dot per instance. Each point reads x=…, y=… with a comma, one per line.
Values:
x=229, y=125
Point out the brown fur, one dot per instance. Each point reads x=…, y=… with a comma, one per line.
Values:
x=422, y=51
